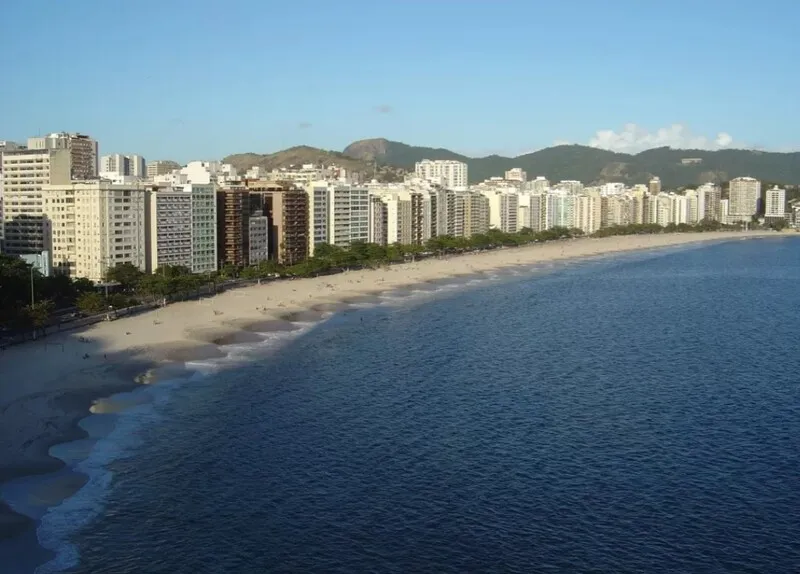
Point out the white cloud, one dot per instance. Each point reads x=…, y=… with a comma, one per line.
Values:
x=633, y=139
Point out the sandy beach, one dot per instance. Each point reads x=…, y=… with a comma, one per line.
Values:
x=49, y=385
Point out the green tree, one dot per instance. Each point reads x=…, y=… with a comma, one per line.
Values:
x=40, y=314
x=91, y=303
x=126, y=274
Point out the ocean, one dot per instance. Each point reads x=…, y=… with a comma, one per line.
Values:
x=635, y=412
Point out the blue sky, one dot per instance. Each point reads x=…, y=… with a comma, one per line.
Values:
x=196, y=79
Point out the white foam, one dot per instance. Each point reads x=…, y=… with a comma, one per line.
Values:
x=59, y=522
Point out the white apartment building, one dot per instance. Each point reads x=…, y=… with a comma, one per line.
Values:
x=744, y=194
x=775, y=203
x=118, y=165
x=588, y=212
x=161, y=167
x=473, y=217
x=25, y=172
x=503, y=210
x=612, y=189
x=537, y=215
x=348, y=212
x=694, y=207
x=708, y=198
x=408, y=212
x=258, y=239
x=517, y=174
x=523, y=211
x=318, y=193
x=538, y=185
x=617, y=210
x=560, y=210
x=378, y=221
x=183, y=227
x=661, y=209
x=137, y=166
x=570, y=186
x=208, y=172
x=95, y=225
x=725, y=211
x=680, y=208
x=447, y=173
x=82, y=150
x=339, y=214
x=304, y=174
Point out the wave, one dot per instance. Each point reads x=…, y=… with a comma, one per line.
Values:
x=135, y=410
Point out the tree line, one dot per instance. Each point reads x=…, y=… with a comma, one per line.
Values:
x=30, y=301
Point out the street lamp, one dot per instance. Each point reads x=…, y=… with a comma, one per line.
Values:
x=32, y=296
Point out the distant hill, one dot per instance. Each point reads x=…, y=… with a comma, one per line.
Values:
x=299, y=155
x=592, y=165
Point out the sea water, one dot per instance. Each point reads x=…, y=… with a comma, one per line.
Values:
x=629, y=413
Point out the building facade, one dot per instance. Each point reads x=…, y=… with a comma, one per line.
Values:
x=25, y=172
x=182, y=228
x=82, y=151
x=744, y=194
x=161, y=167
x=447, y=173
x=233, y=226
x=95, y=225
x=775, y=203
x=288, y=211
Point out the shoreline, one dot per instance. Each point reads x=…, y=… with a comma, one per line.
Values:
x=58, y=384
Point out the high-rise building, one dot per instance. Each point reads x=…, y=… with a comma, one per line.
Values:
x=588, y=212
x=560, y=210
x=25, y=172
x=708, y=198
x=744, y=194
x=725, y=211
x=654, y=187
x=617, y=210
x=95, y=225
x=475, y=213
x=569, y=186
x=288, y=212
x=517, y=174
x=420, y=218
x=233, y=226
x=258, y=238
x=183, y=227
x=5, y=145
x=775, y=204
x=379, y=221
x=503, y=210
x=82, y=151
x=123, y=165
x=116, y=164
x=538, y=185
x=340, y=213
x=538, y=212
x=447, y=173
x=137, y=166
x=161, y=167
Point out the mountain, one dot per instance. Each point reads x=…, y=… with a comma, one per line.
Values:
x=299, y=155
x=593, y=165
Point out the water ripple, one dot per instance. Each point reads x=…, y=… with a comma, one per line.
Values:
x=639, y=414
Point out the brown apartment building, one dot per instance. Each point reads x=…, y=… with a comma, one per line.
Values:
x=232, y=226
x=287, y=211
